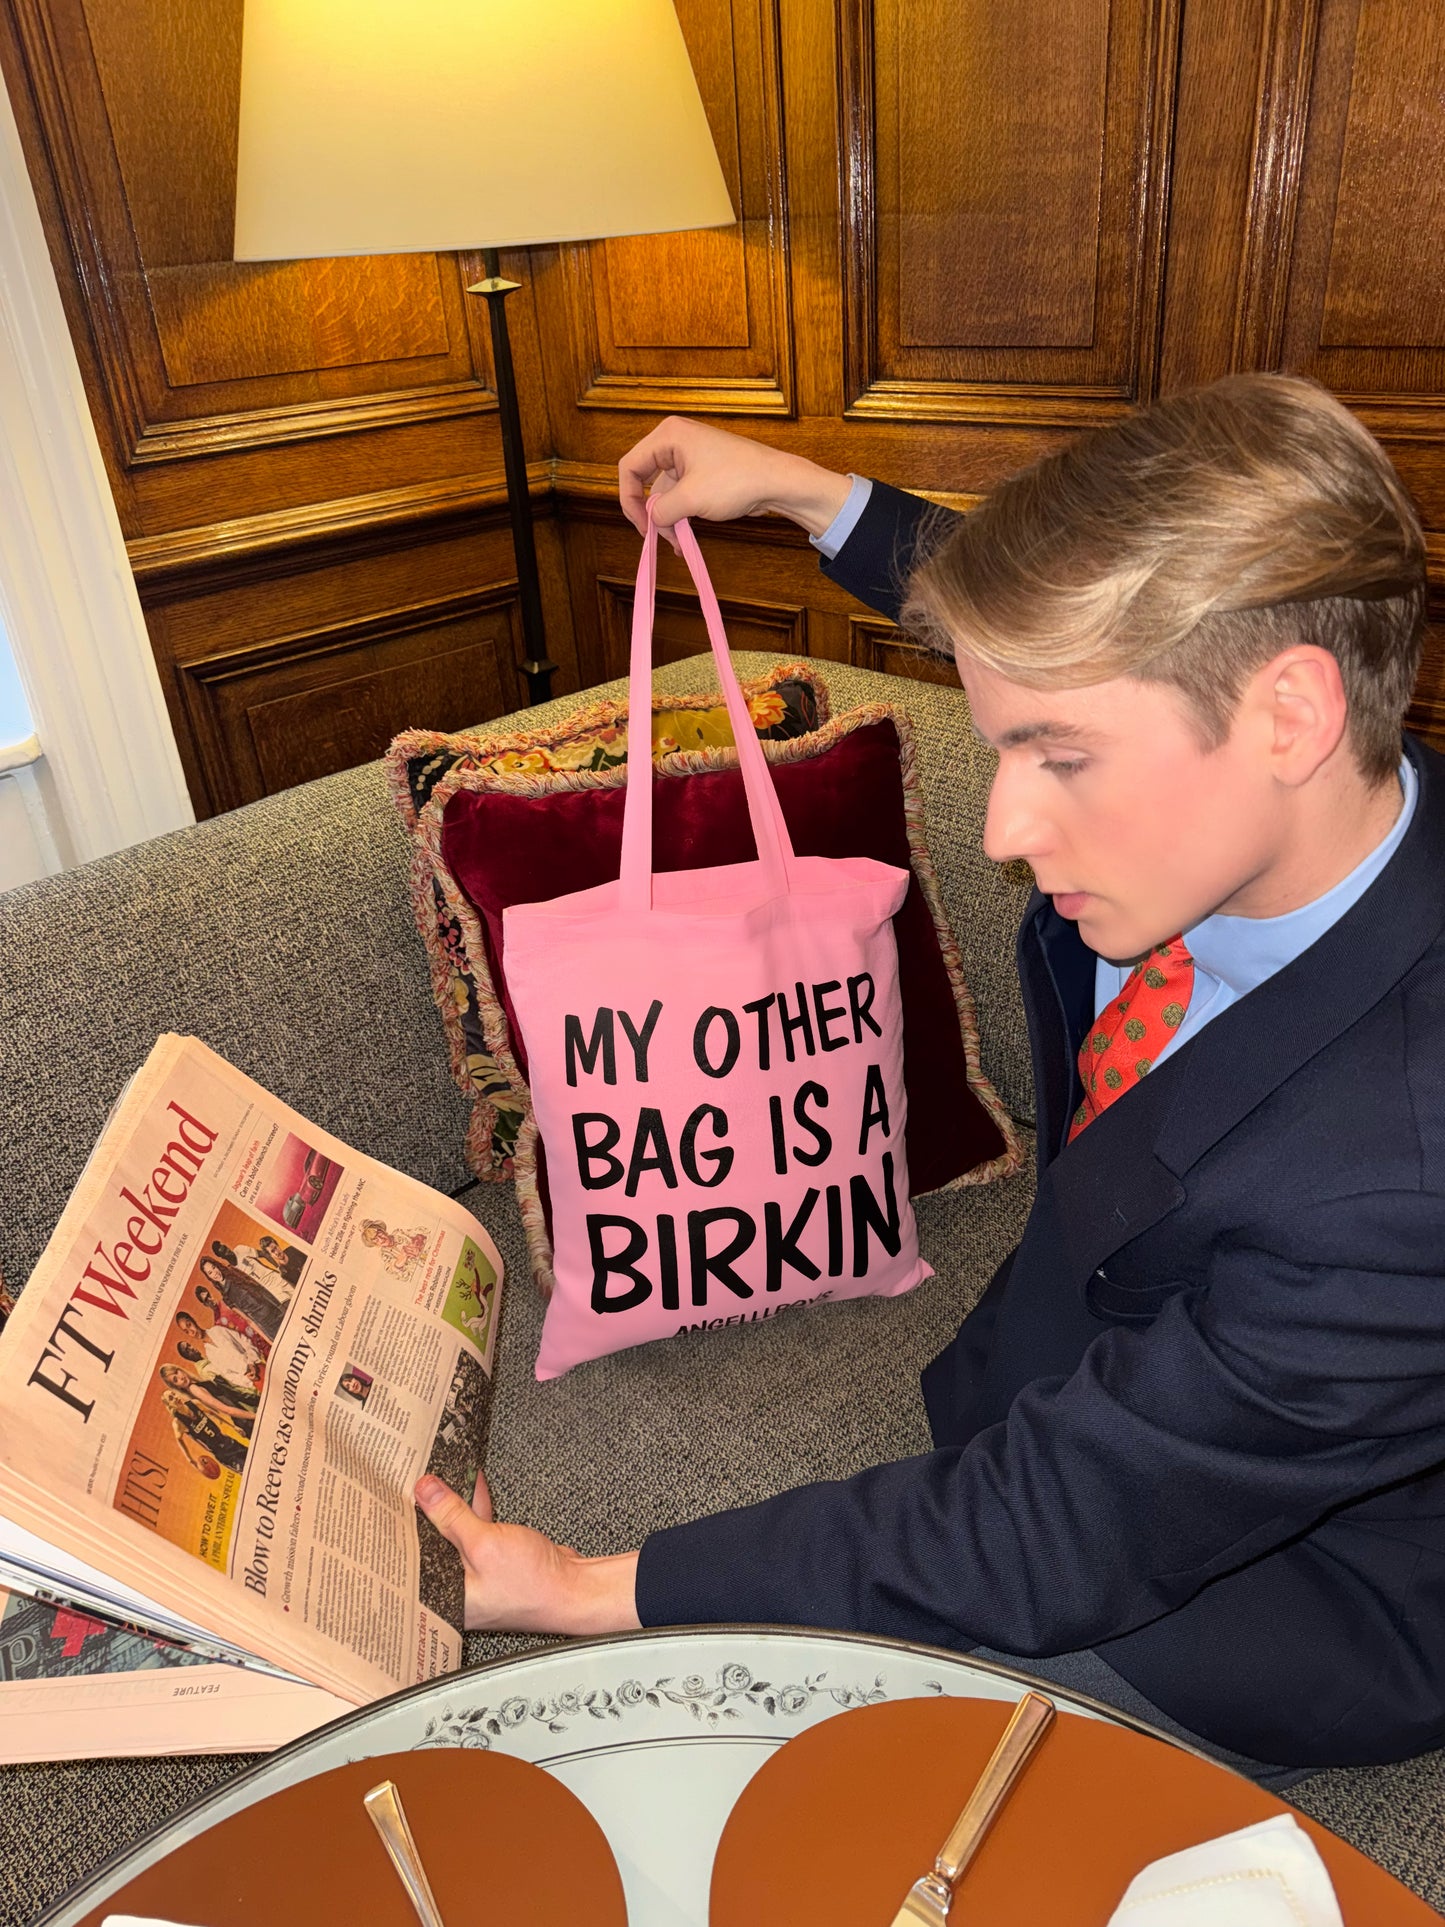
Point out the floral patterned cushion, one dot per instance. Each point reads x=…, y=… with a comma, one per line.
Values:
x=790, y=701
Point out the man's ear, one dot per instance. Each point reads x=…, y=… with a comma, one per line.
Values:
x=1299, y=698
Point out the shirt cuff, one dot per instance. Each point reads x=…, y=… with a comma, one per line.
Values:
x=845, y=521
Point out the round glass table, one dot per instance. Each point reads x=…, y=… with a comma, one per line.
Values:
x=657, y=1734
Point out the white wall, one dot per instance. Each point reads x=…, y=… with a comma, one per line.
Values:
x=110, y=775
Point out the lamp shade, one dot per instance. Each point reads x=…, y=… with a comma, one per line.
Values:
x=394, y=126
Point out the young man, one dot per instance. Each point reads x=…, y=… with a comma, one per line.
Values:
x=1191, y=1443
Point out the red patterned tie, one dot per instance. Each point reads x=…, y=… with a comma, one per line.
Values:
x=1130, y=1033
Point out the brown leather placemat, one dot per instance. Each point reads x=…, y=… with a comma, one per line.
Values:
x=500, y=1839
x=841, y=1821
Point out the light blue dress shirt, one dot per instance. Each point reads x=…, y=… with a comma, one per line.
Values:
x=1234, y=955
x=845, y=521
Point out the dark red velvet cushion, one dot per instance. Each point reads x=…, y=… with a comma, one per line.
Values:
x=845, y=801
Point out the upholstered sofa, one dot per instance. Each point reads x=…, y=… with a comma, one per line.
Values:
x=282, y=934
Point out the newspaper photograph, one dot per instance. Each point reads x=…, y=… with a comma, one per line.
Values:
x=244, y=1344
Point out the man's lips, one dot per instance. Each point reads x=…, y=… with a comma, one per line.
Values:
x=1070, y=903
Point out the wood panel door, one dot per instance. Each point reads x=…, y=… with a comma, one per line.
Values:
x=1004, y=206
x=1307, y=229
x=1344, y=272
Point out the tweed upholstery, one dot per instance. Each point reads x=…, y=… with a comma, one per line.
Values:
x=319, y=989
x=280, y=934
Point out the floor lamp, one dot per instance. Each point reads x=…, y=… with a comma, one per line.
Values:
x=384, y=127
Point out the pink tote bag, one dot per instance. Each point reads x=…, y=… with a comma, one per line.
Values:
x=716, y=1062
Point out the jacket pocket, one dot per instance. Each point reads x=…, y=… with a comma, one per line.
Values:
x=1109, y=1297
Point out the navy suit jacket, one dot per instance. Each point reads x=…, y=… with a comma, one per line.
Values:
x=1197, y=1421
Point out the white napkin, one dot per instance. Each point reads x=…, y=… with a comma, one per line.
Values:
x=1269, y=1875
x=136, y=1920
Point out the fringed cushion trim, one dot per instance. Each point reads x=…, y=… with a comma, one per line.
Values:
x=607, y=714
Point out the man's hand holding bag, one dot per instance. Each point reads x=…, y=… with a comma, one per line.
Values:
x=716, y=1066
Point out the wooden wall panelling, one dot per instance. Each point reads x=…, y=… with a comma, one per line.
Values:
x=1365, y=308
x=1343, y=277
x=1363, y=305
x=1006, y=203
x=281, y=666
x=1385, y=283
x=772, y=592
x=1237, y=137
x=813, y=171
x=253, y=547
x=752, y=622
x=700, y=321
x=299, y=706
x=875, y=643
x=199, y=353
x=1288, y=47
x=765, y=574
x=913, y=452
x=383, y=458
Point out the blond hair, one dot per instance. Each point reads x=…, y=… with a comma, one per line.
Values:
x=1189, y=544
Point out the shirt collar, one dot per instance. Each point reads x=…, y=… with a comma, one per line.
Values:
x=1241, y=952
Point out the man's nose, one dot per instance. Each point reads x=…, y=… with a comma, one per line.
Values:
x=1013, y=827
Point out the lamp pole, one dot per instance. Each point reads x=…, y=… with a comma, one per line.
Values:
x=539, y=666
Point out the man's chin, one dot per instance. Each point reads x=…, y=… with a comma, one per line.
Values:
x=1107, y=940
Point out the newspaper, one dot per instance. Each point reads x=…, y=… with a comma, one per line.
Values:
x=74, y=1687
x=242, y=1346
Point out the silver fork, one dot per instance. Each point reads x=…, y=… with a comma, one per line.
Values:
x=929, y=1899
x=388, y=1816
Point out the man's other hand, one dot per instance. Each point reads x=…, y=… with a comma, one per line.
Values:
x=694, y=469
x=518, y=1581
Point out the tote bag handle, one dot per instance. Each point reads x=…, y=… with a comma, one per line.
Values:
x=770, y=832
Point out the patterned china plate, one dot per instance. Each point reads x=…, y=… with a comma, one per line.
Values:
x=656, y=1732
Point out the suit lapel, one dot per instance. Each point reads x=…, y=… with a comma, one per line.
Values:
x=1108, y=1187
x=1056, y=972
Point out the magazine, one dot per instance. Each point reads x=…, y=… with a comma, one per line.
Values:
x=75, y=1687
x=242, y=1346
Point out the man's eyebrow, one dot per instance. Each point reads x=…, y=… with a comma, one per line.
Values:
x=1045, y=731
